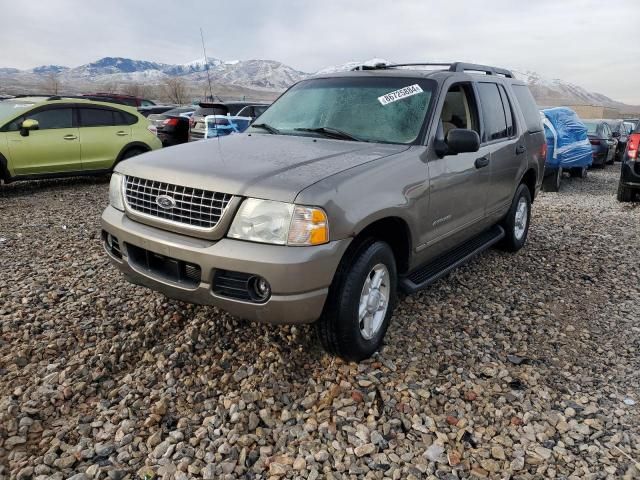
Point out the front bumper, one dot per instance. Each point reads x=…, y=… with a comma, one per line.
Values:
x=299, y=276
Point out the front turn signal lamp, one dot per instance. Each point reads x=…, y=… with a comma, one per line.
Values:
x=309, y=226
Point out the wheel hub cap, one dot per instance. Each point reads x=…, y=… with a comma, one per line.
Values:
x=374, y=301
x=522, y=217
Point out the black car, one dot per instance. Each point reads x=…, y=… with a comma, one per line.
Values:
x=198, y=128
x=621, y=133
x=155, y=109
x=172, y=126
x=603, y=143
x=629, y=186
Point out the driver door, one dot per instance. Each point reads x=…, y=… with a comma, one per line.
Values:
x=458, y=184
x=53, y=148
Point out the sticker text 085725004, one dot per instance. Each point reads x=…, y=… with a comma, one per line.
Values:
x=400, y=94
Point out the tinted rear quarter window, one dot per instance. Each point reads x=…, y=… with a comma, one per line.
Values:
x=528, y=107
x=124, y=118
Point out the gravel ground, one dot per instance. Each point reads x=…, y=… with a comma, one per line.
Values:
x=515, y=366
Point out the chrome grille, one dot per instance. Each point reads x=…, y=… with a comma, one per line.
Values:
x=193, y=207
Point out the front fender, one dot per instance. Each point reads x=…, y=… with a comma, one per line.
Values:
x=395, y=186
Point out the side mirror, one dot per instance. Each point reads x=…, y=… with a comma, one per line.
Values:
x=27, y=126
x=616, y=134
x=462, y=140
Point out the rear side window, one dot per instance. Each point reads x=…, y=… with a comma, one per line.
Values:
x=95, y=117
x=528, y=107
x=508, y=112
x=495, y=123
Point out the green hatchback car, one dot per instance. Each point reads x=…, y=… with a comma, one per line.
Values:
x=44, y=137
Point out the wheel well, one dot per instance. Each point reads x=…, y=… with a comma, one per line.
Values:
x=395, y=232
x=529, y=179
x=131, y=146
x=4, y=169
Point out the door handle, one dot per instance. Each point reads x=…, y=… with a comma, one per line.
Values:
x=520, y=149
x=122, y=133
x=70, y=137
x=481, y=162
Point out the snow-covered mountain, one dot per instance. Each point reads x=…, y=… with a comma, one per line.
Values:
x=264, y=74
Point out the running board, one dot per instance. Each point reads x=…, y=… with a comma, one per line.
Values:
x=425, y=275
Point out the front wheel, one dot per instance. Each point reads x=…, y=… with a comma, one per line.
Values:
x=516, y=223
x=360, y=303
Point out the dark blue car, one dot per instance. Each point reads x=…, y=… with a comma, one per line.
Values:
x=603, y=143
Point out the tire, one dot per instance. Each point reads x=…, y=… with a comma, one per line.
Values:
x=552, y=182
x=516, y=228
x=132, y=152
x=340, y=329
x=578, y=172
x=625, y=194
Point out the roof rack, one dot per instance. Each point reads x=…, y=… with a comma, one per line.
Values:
x=453, y=67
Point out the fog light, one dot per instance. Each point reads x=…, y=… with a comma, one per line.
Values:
x=109, y=241
x=259, y=289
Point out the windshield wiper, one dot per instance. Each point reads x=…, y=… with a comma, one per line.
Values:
x=331, y=132
x=266, y=127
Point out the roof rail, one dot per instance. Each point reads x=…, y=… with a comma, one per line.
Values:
x=453, y=67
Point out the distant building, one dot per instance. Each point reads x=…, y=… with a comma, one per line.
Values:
x=595, y=111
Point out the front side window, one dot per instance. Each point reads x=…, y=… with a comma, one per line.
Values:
x=47, y=119
x=370, y=109
x=495, y=123
x=459, y=109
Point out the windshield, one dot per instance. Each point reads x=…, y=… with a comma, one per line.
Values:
x=372, y=109
x=591, y=127
x=11, y=109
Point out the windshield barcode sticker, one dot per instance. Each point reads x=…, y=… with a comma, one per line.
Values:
x=404, y=92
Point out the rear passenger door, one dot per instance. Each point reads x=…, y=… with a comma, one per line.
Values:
x=507, y=151
x=104, y=132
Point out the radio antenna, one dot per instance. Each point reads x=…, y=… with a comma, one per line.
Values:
x=206, y=65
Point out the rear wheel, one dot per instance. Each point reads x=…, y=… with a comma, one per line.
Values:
x=360, y=303
x=552, y=182
x=625, y=194
x=516, y=223
x=578, y=172
x=132, y=152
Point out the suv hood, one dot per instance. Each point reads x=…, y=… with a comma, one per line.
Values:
x=274, y=167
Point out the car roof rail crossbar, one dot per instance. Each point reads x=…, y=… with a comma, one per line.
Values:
x=473, y=67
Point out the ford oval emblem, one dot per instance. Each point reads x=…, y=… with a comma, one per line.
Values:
x=165, y=201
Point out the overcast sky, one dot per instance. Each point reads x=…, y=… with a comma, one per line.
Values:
x=592, y=43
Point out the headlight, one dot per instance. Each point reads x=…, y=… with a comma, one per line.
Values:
x=279, y=223
x=115, y=192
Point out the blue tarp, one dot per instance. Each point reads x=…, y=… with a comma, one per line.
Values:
x=567, y=141
x=223, y=125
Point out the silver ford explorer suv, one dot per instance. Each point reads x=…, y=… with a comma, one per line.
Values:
x=350, y=187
